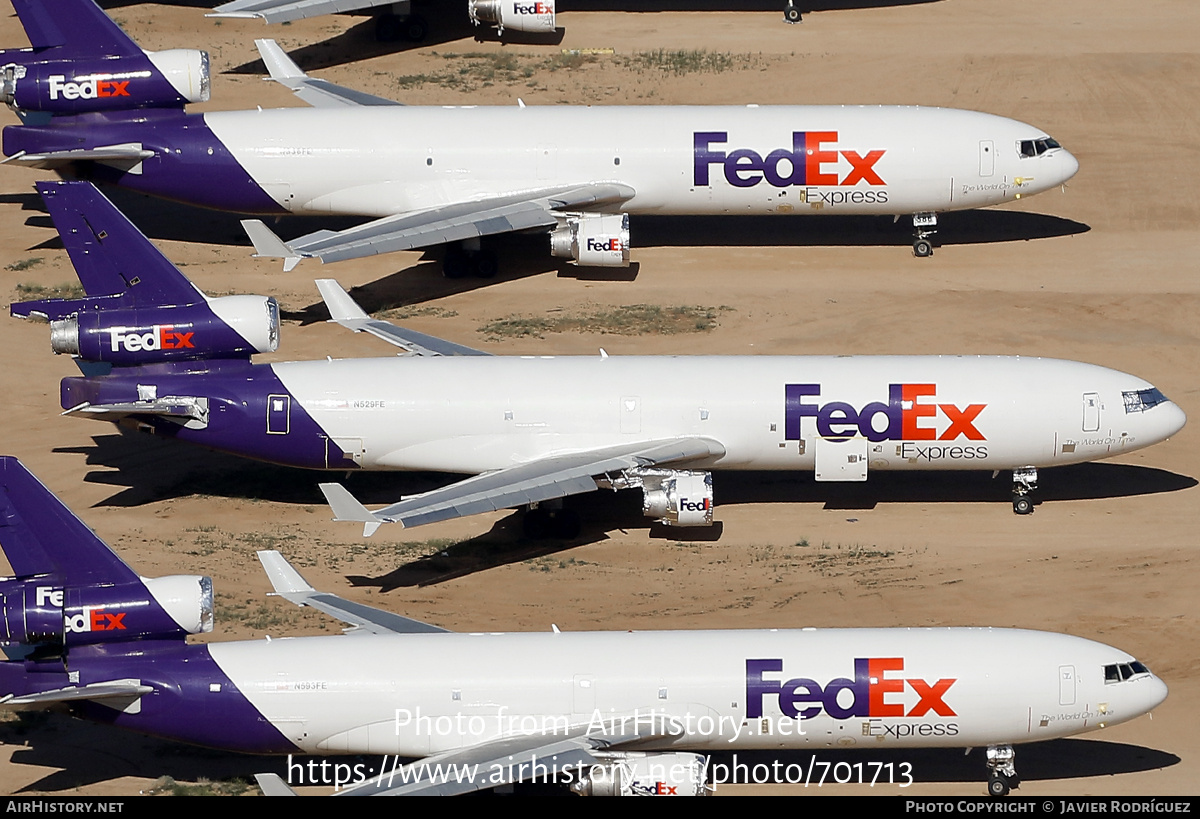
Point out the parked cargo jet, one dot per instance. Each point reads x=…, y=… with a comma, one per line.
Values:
x=623, y=712
x=453, y=175
x=533, y=429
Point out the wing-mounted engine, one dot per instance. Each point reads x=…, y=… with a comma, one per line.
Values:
x=43, y=612
x=96, y=329
x=675, y=497
x=162, y=79
x=645, y=774
x=594, y=240
x=533, y=16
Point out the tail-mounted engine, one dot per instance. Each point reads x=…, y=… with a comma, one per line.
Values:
x=155, y=79
x=674, y=497
x=43, y=612
x=226, y=327
x=594, y=240
x=533, y=16
x=645, y=774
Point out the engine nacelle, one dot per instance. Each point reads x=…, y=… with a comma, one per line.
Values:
x=42, y=612
x=156, y=79
x=645, y=774
x=594, y=240
x=534, y=16
x=226, y=327
x=679, y=498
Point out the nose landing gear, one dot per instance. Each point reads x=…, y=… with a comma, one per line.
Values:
x=1024, y=483
x=924, y=226
x=1002, y=774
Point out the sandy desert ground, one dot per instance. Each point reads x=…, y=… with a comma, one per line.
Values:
x=1105, y=272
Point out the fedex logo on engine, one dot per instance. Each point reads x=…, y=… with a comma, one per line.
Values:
x=810, y=161
x=910, y=414
x=93, y=618
x=160, y=337
x=533, y=8
x=89, y=88
x=872, y=693
x=610, y=245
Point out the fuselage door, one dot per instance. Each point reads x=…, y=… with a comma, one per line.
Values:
x=1091, y=412
x=279, y=414
x=987, y=157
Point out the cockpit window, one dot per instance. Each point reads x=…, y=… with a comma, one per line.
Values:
x=1142, y=400
x=1120, y=672
x=1037, y=147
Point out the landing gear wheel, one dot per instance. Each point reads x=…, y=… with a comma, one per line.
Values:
x=388, y=28
x=922, y=248
x=415, y=28
x=1022, y=505
x=536, y=524
x=564, y=524
x=455, y=265
x=485, y=265
x=791, y=14
x=998, y=786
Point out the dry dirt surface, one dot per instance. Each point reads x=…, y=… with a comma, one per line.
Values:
x=1104, y=272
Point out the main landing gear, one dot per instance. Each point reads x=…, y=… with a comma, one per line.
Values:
x=1002, y=774
x=544, y=521
x=791, y=14
x=469, y=259
x=1024, y=483
x=924, y=226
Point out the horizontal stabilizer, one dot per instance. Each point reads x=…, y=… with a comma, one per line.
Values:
x=192, y=408
x=292, y=587
x=126, y=157
x=317, y=93
x=345, y=311
x=116, y=690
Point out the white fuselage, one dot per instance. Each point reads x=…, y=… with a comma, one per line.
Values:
x=378, y=161
x=421, y=694
x=476, y=414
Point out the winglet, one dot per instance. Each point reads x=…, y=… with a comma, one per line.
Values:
x=278, y=63
x=283, y=575
x=346, y=507
x=341, y=306
x=272, y=785
x=268, y=245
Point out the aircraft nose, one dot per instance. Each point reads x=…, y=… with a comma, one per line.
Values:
x=1172, y=419
x=1068, y=164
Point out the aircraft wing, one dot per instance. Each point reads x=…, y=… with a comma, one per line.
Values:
x=346, y=312
x=281, y=11
x=317, y=93
x=292, y=587
x=434, y=226
x=556, y=476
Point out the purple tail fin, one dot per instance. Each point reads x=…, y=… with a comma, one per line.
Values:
x=41, y=536
x=79, y=28
x=110, y=255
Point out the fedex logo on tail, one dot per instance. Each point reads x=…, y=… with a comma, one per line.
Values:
x=911, y=413
x=89, y=88
x=812, y=160
x=160, y=337
x=872, y=693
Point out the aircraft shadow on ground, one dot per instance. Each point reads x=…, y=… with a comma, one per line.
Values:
x=85, y=753
x=147, y=469
x=1038, y=761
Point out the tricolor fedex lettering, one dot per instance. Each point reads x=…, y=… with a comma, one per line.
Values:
x=87, y=88
x=92, y=618
x=160, y=337
x=872, y=692
x=609, y=245
x=532, y=8
x=810, y=161
x=910, y=414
